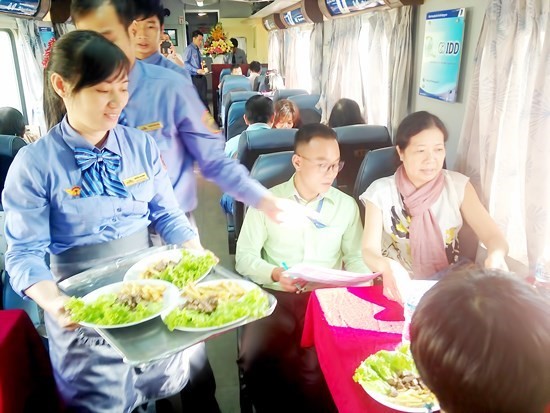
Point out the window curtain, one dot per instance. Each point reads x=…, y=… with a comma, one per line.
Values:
x=30, y=55
x=504, y=144
x=62, y=28
x=341, y=70
x=385, y=62
x=297, y=43
x=275, y=55
x=316, y=58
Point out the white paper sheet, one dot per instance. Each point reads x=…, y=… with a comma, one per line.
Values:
x=314, y=274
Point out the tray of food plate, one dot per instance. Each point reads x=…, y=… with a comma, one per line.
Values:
x=238, y=302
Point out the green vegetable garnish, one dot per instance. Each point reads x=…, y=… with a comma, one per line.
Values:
x=106, y=310
x=190, y=268
x=253, y=304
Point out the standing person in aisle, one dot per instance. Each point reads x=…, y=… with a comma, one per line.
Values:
x=192, y=60
x=149, y=27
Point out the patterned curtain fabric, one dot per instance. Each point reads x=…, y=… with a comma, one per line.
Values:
x=316, y=58
x=504, y=144
x=30, y=59
x=275, y=53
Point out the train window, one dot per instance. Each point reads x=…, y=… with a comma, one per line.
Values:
x=11, y=95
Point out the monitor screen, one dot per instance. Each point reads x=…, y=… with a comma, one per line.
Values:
x=339, y=7
x=20, y=7
x=293, y=17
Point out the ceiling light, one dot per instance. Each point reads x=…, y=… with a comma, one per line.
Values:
x=201, y=14
x=200, y=3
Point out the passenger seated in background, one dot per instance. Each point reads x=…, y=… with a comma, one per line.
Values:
x=258, y=115
x=418, y=211
x=273, y=81
x=235, y=70
x=287, y=115
x=12, y=123
x=280, y=374
x=345, y=112
x=480, y=340
x=255, y=70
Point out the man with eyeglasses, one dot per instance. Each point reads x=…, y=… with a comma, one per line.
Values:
x=279, y=374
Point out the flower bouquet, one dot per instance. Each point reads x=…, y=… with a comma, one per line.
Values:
x=217, y=42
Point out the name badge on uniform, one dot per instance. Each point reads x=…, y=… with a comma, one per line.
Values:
x=142, y=177
x=74, y=191
x=149, y=127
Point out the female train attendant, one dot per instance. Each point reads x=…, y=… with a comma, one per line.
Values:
x=418, y=212
x=86, y=193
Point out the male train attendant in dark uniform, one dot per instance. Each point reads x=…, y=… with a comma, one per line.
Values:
x=237, y=56
x=193, y=64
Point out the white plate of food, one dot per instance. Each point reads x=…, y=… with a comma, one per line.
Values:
x=391, y=378
x=123, y=304
x=216, y=304
x=179, y=267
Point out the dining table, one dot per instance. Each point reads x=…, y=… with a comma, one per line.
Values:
x=346, y=325
x=26, y=379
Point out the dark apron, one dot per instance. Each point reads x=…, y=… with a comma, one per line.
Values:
x=90, y=374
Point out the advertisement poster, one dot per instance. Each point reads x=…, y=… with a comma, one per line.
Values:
x=293, y=17
x=339, y=7
x=443, y=41
x=46, y=34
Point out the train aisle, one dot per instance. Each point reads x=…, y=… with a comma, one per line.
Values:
x=222, y=351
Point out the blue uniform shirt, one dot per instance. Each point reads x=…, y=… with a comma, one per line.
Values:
x=185, y=132
x=192, y=59
x=159, y=60
x=44, y=211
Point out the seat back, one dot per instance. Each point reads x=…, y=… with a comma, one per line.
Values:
x=376, y=164
x=235, y=123
x=257, y=82
x=259, y=142
x=224, y=73
x=232, y=97
x=9, y=146
x=273, y=168
x=286, y=93
x=232, y=82
x=355, y=141
x=306, y=104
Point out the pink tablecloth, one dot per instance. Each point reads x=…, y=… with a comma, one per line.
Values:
x=346, y=325
x=26, y=378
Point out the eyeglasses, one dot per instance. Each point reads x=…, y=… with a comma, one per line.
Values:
x=325, y=168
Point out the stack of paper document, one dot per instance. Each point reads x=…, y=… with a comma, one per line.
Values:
x=314, y=274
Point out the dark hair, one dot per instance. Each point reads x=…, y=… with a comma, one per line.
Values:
x=149, y=8
x=255, y=66
x=313, y=130
x=285, y=108
x=196, y=33
x=12, y=122
x=259, y=109
x=414, y=124
x=124, y=9
x=82, y=58
x=345, y=112
x=480, y=339
x=234, y=41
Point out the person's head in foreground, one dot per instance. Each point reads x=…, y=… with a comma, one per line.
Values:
x=316, y=160
x=149, y=25
x=344, y=113
x=112, y=18
x=258, y=109
x=287, y=115
x=481, y=341
x=420, y=142
x=236, y=70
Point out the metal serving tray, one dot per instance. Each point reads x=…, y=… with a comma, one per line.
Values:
x=149, y=341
